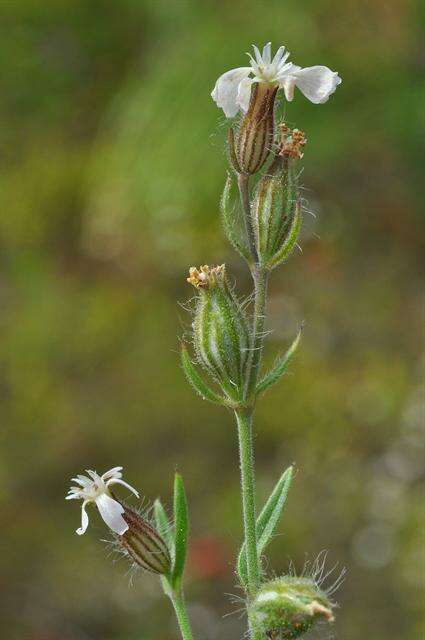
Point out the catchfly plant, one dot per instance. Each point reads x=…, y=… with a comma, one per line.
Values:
x=222, y=355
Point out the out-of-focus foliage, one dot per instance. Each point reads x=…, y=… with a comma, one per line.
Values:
x=112, y=167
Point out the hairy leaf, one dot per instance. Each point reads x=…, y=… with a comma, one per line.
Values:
x=267, y=521
x=279, y=367
x=181, y=528
x=163, y=525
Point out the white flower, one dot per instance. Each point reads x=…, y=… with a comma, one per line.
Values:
x=232, y=90
x=96, y=489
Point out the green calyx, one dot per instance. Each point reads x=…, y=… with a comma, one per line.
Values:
x=276, y=213
x=221, y=331
x=289, y=606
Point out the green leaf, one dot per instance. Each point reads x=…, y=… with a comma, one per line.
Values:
x=290, y=241
x=279, y=367
x=163, y=525
x=267, y=520
x=181, y=528
x=269, y=517
x=196, y=381
x=233, y=222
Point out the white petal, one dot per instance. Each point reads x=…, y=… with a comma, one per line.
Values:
x=124, y=484
x=267, y=53
x=73, y=495
x=279, y=55
x=84, y=519
x=82, y=480
x=115, y=472
x=225, y=91
x=317, y=83
x=111, y=512
x=258, y=57
x=244, y=93
x=93, y=474
x=288, y=85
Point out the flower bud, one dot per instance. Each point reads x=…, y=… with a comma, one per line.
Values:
x=255, y=136
x=220, y=329
x=274, y=211
x=143, y=544
x=287, y=607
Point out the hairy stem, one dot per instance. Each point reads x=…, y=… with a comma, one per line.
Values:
x=246, y=453
x=260, y=277
x=177, y=598
x=244, y=417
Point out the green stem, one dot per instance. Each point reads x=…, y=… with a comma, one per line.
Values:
x=244, y=417
x=244, y=422
x=177, y=598
x=260, y=277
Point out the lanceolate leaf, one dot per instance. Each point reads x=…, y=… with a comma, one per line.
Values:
x=269, y=517
x=267, y=520
x=233, y=221
x=181, y=528
x=279, y=367
x=291, y=239
x=163, y=525
x=196, y=381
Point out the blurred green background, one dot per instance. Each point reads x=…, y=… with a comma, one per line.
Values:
x=112, y=167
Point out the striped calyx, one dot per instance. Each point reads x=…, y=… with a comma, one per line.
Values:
x=276, y=212
x=288, y=607
x=220, y=330
x=254, y=139
x=144, y=545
